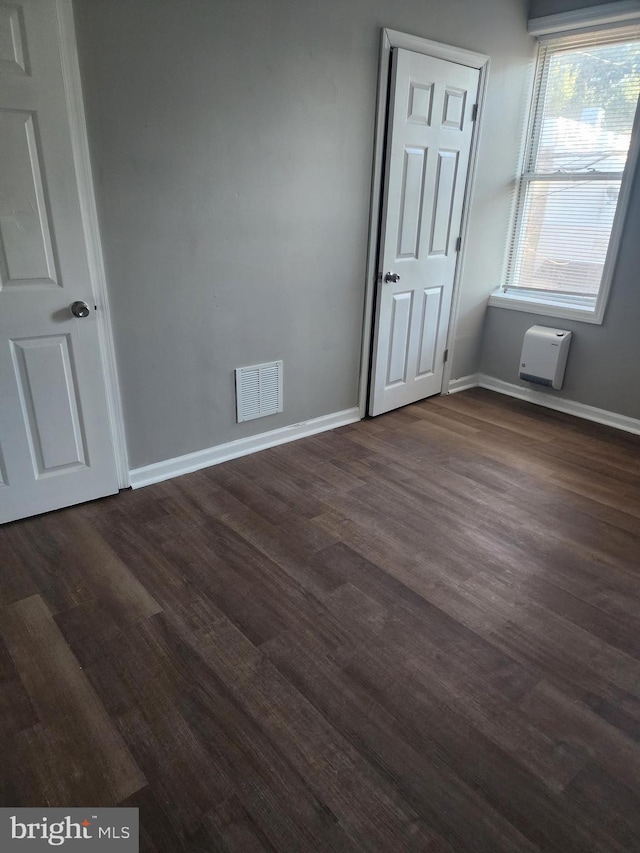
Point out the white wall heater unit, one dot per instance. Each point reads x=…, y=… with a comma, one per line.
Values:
x=544, y=355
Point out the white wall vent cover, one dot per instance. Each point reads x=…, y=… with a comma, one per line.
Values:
x=258, y=390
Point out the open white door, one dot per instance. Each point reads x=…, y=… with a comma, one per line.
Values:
x=56, y=446
x=430, y=128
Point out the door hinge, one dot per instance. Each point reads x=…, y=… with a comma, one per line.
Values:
x=458, y=244
x=446, y=356
x=474, y=112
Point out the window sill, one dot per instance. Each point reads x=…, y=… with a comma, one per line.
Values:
x=568, y=308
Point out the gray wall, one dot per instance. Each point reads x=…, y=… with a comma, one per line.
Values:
x=540, y=8
x=232, y=146
x=604, y=361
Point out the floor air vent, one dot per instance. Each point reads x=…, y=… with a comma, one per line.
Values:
x=258, y=390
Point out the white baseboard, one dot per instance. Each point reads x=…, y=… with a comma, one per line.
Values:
x=560, y=404
x=160, y=471
x=463, y=383
x=169, y=468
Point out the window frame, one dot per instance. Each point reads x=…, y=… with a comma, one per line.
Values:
x=587, y=309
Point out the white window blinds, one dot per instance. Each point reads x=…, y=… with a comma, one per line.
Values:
x=585, y=98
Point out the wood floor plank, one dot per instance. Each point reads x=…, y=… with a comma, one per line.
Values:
x=614, y=807
x=35, y=564
x=456, y=685
x=510, y=789
x=16, y=711
x=109, y=580
x=364, y=803
x=417, y=632
x=191, y=700
x=73, y=730
x=425, y=781
x=283, y=481
x=15, y=582
x=572, y=723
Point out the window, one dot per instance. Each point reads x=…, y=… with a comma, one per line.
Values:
x=584, y=104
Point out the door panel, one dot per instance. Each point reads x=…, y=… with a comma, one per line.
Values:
x=26, y=250
x=428, y=145
x=443, y=202
x=420, y=101
x=454, y=108
x=12, y=44
x=55, y=440
x=399, y=348
x=49, y=398
x=413, y=178
x=431, y=303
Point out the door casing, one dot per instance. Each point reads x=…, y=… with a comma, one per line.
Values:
x=393, y=39
x=88, y=210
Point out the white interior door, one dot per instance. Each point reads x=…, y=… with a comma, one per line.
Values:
x=55, y=442
x=429, y=136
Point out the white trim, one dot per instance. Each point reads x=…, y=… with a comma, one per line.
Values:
x=516, y=300
x=619, y=220
x=549, y=401
x=84, y=178
x=435, y=48
x=464, y=225
x=560, y=404
x=160, y=471
x=464, y=383
x=603, y=15
x=371, y=280
x=394, y=39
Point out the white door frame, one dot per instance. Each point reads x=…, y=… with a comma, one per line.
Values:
x=89, y=214
x=393, y=39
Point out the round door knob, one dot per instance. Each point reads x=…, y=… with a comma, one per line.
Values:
x=80, y=309
x=392, y=277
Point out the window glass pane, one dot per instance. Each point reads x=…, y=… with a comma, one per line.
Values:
x=589, y=104
x=585, y=102
x=565, y=233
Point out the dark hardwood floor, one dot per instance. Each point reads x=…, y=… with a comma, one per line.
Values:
x=416, y=633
